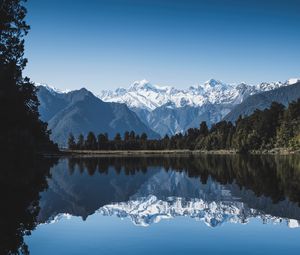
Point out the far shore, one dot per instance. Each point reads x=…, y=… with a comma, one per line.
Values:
x=67, y=152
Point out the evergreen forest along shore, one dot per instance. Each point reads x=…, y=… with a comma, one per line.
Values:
x=271, y=130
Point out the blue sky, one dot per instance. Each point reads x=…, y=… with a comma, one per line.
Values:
x=105, y=44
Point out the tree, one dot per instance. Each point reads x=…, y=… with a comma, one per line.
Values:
x=91, y=141
x=203, y=129
x=80, y=142
x=126, y=136
x=144, y=137
x=132, y=135
x=118, y=137
x=20, y=127
x=102, y=141
x=71, y=142
x=117, y=142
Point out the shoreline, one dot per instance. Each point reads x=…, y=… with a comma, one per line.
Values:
x=275, y=151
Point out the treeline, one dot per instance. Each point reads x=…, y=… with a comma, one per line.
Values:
x=264, y=129
x=267, y=176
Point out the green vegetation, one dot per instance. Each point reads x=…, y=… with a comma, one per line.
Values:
x=20, y=129
x=263, y=130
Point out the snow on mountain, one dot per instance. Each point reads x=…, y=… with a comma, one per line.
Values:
x=168, y=110
x=293, y=81
x=148, y=210
x=52, y=89
x=144, y=95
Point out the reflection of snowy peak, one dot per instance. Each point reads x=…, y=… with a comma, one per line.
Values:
x=171, y=194
x=144, y=95
x=148, y=210
x=149, y=197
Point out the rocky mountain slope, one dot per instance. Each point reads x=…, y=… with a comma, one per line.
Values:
x=80, y=112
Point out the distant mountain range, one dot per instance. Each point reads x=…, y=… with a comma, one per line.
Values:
x=155, y=110
x=168, y=110
x=80, y=111
x=263, y=100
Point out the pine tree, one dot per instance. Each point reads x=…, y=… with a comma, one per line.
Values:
x=203, y=129
x=71, y=142
x=91, y=141
x=20, y=129
x=80, y=142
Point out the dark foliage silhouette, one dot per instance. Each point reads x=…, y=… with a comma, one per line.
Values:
x=21, y=181
x=20, y=129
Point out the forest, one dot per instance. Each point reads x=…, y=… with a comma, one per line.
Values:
x=275, y=127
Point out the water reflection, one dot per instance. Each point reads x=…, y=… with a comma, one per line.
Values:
x=215, y=189
x=145, y=190
x=21, y=181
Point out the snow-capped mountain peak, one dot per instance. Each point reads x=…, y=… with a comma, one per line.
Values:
x=169, y=110
x=213, y=84
x=145, y=85
x=51, y=88
x=144, y=95
x=292, y=81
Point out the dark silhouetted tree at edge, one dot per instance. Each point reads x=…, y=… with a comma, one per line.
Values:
x=20, y=129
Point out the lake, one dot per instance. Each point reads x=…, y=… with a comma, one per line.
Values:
x=202, y=204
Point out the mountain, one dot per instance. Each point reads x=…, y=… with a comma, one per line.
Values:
x=150, y=196
x=168, y=110
x=283, y=95
x=148, y=210
x=80, y=111
x=144, y=95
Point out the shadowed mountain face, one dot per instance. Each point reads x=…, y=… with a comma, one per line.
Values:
x=170, y=120
x=214, y=189
x=283, y=95
x=80, y=112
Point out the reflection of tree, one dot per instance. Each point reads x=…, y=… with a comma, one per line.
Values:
x=20, y=184
x=277, y=177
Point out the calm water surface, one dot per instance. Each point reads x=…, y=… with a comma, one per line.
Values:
x=158, y=205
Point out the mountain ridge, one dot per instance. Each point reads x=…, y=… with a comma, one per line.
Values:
x=168, y=110
x=261, y=101
x=79, y=111
x=149, y=96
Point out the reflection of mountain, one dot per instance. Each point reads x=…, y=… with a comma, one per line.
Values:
x=148, y=210
x=171, y=194
x=81, y=194
x=148, y=196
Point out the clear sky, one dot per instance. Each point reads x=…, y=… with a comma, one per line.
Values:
x=104, y=44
